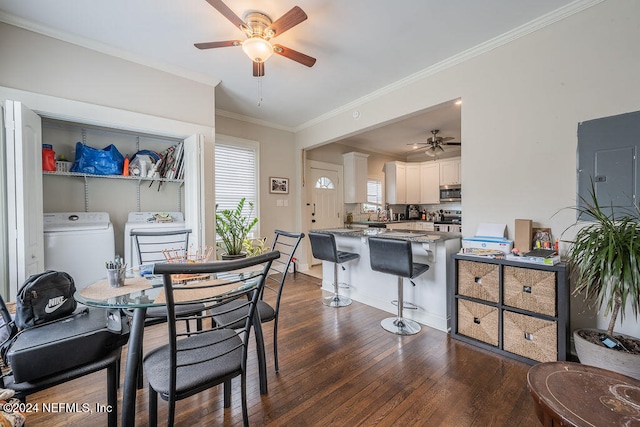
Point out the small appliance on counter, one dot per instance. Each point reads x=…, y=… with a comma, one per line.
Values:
x=413, y=212
x=488, y=237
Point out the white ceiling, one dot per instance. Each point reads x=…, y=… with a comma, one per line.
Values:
x=361, y=46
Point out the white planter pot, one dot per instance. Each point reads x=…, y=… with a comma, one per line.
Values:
x=606, y=358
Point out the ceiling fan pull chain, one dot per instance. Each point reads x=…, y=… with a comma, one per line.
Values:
x=259, y=91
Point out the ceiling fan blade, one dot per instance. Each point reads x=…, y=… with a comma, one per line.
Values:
x=258, y=69
x=226, y=12
x=287, y=21
x=446, y=138
x=294, y=55
x=452, y=143
x=211, y=45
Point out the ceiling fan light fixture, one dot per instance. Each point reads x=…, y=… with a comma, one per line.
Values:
x=430, y=152
x=257, y=49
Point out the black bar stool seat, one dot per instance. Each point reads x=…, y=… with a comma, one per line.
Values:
x=393, y=256
x=323, y=246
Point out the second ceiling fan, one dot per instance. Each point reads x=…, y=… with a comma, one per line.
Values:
x=259, y=30
x=434, y=143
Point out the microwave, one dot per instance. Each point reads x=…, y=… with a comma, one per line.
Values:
x=450, y=193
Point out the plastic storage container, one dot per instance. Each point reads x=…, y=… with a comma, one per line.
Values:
x=48, y=158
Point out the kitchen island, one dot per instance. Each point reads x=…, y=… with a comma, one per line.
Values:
x=377, y=289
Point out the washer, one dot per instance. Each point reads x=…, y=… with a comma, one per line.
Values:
x=78, y=243
x=147, y=221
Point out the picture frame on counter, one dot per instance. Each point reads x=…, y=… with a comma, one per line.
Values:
x=278, y=185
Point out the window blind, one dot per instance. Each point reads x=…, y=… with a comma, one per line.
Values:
x=236, y=178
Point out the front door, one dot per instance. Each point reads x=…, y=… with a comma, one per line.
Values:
x=325, y=200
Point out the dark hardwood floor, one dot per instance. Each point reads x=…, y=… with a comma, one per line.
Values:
x=338, y=367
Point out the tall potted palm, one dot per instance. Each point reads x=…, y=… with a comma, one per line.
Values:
x=605, y=257
x=233, y=227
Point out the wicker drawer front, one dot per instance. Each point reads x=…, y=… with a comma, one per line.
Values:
x=479, y=280
x=531, y=290
x=530, y=337
x=478, y=321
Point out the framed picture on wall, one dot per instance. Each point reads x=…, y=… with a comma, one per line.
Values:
x=279, y=185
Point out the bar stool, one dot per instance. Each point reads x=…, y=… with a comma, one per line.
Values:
x=394, y=256
x=323, y=246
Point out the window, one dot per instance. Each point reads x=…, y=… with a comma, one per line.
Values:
x=374, y=195
x=237, y=177
x=325, y=182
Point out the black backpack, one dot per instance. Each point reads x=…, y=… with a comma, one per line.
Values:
x=44, y=297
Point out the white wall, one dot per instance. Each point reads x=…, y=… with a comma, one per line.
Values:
x=522, y=103
x=278, y=157
x=42, y=65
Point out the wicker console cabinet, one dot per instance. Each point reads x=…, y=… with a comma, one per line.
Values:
x=520, y=310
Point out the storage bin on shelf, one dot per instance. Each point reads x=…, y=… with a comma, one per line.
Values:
x=62, y=166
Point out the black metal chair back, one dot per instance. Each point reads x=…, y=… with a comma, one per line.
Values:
x=191, y=362
x=151, y=246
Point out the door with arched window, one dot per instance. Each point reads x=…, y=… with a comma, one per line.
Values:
x=325, y=199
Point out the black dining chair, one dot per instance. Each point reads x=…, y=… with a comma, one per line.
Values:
x=269, y=303
x=110, y=361
x=157, y=246
x=189, y=363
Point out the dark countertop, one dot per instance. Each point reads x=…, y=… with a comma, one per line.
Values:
x=418, y=236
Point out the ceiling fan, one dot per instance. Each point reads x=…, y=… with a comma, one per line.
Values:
x=259, y=30
x=434, y=143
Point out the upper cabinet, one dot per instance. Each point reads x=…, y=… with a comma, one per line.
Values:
x=395, y=183
x=429, y=183
x=355, y=177
x=413, y=183
x=450, y=172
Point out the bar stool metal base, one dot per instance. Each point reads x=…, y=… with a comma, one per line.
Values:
x=400, y=326
x=336, y=301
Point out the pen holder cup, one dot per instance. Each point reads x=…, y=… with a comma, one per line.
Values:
x=115, y=277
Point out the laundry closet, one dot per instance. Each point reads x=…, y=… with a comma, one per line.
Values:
x=61, y=191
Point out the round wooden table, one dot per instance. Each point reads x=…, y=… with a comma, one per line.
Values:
x=571, y=394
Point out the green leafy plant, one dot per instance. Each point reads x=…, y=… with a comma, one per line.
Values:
x=233, y=226
x=606, y=258
x=255, y=247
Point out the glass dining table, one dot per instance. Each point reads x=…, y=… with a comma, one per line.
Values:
x=137, y=295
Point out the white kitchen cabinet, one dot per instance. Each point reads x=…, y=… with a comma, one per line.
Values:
x=395, y=183
x=429, y=182
x=450, y=172
x=355, y=177
x=413, y=183
x=425, y=226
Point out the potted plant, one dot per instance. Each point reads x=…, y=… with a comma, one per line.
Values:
x=605, y=257
x=233, y=227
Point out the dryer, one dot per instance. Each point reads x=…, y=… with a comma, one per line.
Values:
x=148, y=221
x=78, y=243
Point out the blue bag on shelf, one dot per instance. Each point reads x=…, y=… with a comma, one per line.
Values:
x=107, y=161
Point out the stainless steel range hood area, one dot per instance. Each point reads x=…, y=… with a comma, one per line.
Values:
x=451, y=193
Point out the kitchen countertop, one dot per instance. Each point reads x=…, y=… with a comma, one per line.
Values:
x=418, y=236
x=400, y=221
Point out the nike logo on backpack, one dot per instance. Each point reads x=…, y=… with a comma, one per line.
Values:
x=54, y=304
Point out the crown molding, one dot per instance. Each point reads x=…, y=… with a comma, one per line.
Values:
x=253, y=120
x=107, y=49
x=501, y=40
